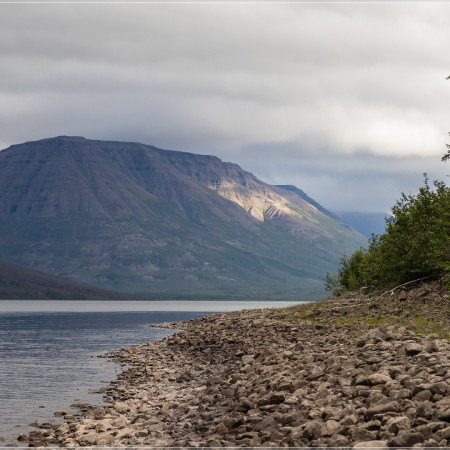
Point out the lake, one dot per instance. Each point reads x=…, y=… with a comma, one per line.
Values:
x=48, y=350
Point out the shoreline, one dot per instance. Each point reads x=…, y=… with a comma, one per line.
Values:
x=267, y=378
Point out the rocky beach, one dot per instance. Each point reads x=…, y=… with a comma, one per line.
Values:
x=351, y=371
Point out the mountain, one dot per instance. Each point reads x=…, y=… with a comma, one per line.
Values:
x=135, y=218
x=19, y=282
x=365, y=223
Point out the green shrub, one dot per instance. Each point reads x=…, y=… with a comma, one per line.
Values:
x=415, y=244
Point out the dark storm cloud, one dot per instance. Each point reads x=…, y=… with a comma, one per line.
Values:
x=346, y=100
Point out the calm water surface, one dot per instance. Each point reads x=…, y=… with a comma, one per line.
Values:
x=48, y=351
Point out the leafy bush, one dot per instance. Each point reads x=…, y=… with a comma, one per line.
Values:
x=415, y=244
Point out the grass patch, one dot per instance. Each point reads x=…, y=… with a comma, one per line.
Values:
x=425, y=311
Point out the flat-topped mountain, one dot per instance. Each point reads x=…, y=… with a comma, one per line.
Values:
x=135, y=218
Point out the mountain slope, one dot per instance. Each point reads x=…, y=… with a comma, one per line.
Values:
x=306, y=197
x=286, y=207
x=134, y=218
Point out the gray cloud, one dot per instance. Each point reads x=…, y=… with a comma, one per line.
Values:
x=348, y=101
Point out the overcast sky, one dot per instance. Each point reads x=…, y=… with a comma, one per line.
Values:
x=349, y=102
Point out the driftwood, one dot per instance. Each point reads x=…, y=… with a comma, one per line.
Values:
x=401, y=285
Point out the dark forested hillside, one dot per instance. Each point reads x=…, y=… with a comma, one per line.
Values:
x=19, y=282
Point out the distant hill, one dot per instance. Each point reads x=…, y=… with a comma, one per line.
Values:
x=365, y=223
x=19, y=282
x=135, y=218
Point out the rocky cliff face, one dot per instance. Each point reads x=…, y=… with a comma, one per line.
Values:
x=261, y=200
x=136, y=218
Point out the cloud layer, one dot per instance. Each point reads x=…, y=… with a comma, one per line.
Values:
x=347, y=101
